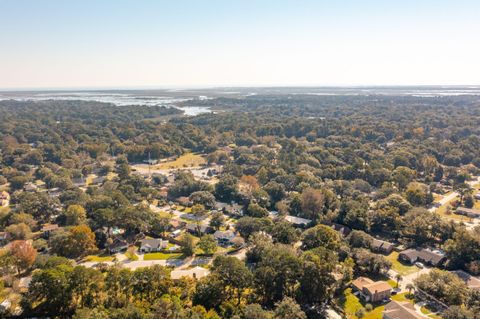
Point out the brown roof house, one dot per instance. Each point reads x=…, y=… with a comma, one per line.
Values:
x=470, y=212
x=401, y=310
x=382, y=246
x=48, y=229
x=372, y=291
x=427, y=256
x=117, y=245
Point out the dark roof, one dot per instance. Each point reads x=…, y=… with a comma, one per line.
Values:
x=228, y=207
x=471, y=281
x=195, y=227
x=227, y=235
x=380, y=244
x=427, y=255
x=342, y=229
x=117, y=242
x=470, y=211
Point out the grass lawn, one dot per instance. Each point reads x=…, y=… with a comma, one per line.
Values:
x=442, y=211
x=99, y=259
x=429, y=313
x=402, y=269
x=392, y=283
x=186, y=160
x=164, y=215
x=401, y=297
x=351, y=304
x=162, y=256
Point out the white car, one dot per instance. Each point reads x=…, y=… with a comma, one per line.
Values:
x=419, y=264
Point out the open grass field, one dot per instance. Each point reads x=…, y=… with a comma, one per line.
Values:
x=162, y=256
x=402, y=269
x=186, y=160
x=99, y=259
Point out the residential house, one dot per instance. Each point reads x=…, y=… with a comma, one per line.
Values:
x=198, y=230
x=152, y=245
x=48, y=229
x=381, y=246
x=401, y=310
x=470, y=212
x=117, y=245
x=230, y=209
x=184, y=201
x=342, y=229
x=30, y=187
x=224, y=237
x=298, y=221
x=426, y=256
x=195, y=273
x=372, y=291
x=471, y=281
x=176, y=224
x=477, y=196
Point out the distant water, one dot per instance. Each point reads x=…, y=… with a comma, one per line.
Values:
x=120, y=99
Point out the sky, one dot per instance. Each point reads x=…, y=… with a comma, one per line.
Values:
x=205, y=43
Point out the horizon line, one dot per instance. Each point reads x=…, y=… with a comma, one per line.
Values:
x=210, y=87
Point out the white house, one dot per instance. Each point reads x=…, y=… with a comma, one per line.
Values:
x=152, y=245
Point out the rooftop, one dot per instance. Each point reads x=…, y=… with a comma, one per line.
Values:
x=400, y=310
x=471, y=281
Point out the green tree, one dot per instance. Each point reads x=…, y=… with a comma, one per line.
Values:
x=76, y=242
x=217, y=220
x=321, y=236
x=18, y=231
x=188, y=245
x=75, y=215
x=208, y=244
x=283, y=232
x=235, y=277
x=288, y=309
x=227, y=188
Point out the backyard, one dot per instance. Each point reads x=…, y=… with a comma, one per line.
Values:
x=399, y=267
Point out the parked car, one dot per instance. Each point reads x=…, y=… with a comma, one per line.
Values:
x=419, y=265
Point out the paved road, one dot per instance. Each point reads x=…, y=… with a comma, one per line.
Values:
x=445, y=200
x=132, y=265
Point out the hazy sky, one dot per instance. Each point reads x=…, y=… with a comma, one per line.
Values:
x=117, y=43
